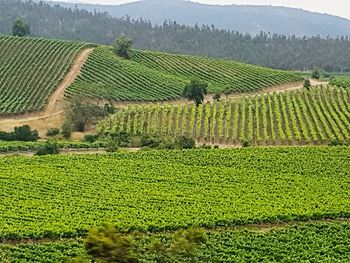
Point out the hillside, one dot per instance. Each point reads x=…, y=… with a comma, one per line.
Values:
x=243, y=18
x=266, y=49
x=31, y=69
x=153, y=76
x=317, y=116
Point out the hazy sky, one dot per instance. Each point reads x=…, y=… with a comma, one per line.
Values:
x=335, y=7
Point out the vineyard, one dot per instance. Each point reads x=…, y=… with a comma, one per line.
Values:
x=303, y=243
x=152, y=76
x=63, y=196
x=304, y=117
x=30, y=70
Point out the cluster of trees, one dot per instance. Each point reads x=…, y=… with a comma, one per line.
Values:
x=22, y=133
x=107, y=244
x=276, y=51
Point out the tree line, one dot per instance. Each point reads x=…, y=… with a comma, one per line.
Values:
x=271, y=50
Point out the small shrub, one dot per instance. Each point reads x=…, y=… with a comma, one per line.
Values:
x=149, y=141
x=49, y=148
x=316, y=74
x=112, y=145
x=66, y=130
x=216, y=146
x=246, y=144
x=336, y=142
x=90, y=138
x=184, y=142
x=52, y=132
x=307, y=84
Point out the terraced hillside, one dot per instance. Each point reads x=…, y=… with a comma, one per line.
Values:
x=300, y=117
x=152, y=76
x=30, y=70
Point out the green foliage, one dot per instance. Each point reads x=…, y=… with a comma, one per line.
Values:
x=31, y=70
x=311, y=242
x=112, y=145
x=90, y=138
x=129, y=189
x=245, y=143
x=34, y=146
x=106, y=244
x=154, y=76
x=307, y=84
x=316, y=73
x=314, y=116
x=66, y=130
x=181, y=249
x=340, y=82
x=83, y=113
x=20, y=28
x=52, y=132
x=195, y=91
x=183, y=142
x=21, y=133
x=122, y=47
x=49, y=148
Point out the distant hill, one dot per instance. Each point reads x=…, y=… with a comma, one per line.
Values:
x=270, y=50
x=242, y=18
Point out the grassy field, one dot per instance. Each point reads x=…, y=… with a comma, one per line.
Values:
x=303, y=117
x=31, y=69
x=63, y=196
x=153, y=76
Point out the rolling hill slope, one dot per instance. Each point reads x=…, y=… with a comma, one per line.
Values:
x=31, y=69
x=154, y=76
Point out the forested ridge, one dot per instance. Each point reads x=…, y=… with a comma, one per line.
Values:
x=276, y=51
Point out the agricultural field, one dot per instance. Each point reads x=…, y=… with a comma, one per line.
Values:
x=30, y=70
x=303, y=117
x=304, y=243
x=153, y=76
x=64, y=196
x=234, y=194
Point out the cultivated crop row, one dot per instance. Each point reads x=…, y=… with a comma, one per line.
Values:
x=152, y=76
x=63, y=196
x=317, y=116
x=30, y=70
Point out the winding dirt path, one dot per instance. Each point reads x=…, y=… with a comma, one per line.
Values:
x=53, y=114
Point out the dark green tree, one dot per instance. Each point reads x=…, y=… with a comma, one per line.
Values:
x=122, y=47
x=83, y=113
x=307, y=84
x=195, y=91
x=20, y=28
